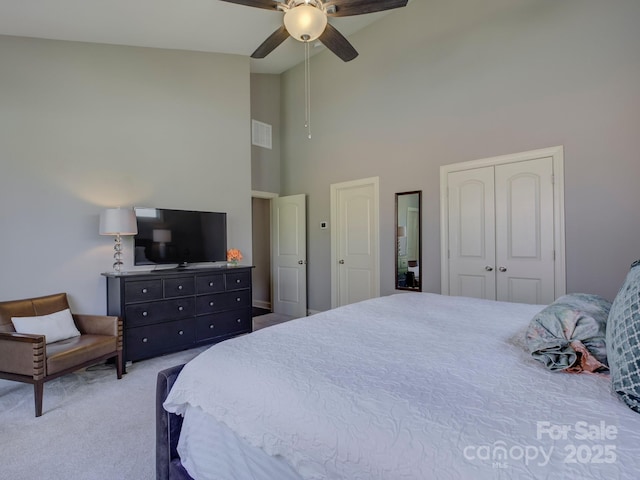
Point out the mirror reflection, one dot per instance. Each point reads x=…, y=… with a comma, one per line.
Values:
x=408, y=240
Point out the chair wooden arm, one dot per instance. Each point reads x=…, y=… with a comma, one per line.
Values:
x=22, y=354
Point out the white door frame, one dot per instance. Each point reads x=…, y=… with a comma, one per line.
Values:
x=335, y=187
x=557, y=154
x=268, y=196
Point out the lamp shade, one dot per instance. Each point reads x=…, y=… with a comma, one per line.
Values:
x=118, y=221
x=304, y=22
x=161, y=235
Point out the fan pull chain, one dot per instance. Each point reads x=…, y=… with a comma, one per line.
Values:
x=307, y=90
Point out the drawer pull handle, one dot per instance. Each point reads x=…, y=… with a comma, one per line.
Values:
x=180, y=308
x=239, y=320
x=144, y=340
x=144, y=290
x=179, y=287
x=180, y=332
x=237, y=299
x=238, y=280
x=144, y=314
x=211, y=304
x=211, y=284
x=211, y=326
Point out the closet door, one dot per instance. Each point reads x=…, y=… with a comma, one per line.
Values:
x=501, y=232
x=472, y=233
x=524, y=231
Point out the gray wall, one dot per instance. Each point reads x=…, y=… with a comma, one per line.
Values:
x=86, y=126
x=261, y=273
x=265, y=107
x=445, y=82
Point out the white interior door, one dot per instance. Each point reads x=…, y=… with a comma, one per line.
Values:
x=524, y=232
x=472, y=233
x=355, y=245
x=289, y=255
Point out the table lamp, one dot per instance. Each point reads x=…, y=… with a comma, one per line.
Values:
x=118, y=221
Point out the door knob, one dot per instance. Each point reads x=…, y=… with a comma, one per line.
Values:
x=300, y=262
x=503, y=269
x=489, y=268
x=341, y=262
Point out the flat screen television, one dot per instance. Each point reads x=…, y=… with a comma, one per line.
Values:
x=179, y=236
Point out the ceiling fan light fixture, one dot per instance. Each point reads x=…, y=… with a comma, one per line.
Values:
x=305, y=22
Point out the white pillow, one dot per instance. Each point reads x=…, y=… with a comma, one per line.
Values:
x=55, y=326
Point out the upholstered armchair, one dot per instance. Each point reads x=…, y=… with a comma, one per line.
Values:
x=31, y=358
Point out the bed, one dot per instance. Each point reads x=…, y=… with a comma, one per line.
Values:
x=408, y=386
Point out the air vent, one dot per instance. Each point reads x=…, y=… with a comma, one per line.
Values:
x=261, y=134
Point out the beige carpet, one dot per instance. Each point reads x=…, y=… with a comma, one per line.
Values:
x=93, y=427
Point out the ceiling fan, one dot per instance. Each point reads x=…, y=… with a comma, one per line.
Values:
x=306, y=21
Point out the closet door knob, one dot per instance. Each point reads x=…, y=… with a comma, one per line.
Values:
x=341, y=262
x=503, y=269
x=489, y=268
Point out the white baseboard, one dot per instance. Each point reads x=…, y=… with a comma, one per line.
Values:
x=262, y=304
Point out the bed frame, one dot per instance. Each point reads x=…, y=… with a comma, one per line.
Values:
x=168, y=425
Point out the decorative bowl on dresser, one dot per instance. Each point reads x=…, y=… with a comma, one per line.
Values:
x=166, y=311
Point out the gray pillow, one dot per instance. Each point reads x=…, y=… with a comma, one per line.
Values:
x=569, y=334
x=623, y=339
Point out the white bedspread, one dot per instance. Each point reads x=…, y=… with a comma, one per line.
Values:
x=412, y=386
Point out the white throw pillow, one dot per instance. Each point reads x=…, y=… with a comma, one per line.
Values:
x=55, y=326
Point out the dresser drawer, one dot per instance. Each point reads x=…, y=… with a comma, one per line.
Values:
x=222, y=301
x=210, y=303
x=219, y=324
x=237, y=299
x=179, y=287
x=144, y=342
x=210, y=283
x=156, y=312
x=237, y=280
x=142, y=291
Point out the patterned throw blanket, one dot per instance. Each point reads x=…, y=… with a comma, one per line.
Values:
x=569, y=334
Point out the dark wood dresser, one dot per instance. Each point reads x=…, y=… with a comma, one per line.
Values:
x=170, y=310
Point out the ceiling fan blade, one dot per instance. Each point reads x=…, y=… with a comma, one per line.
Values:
x=335, y=41
x=270, y=44
x=268, y=4
x=347, y=8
